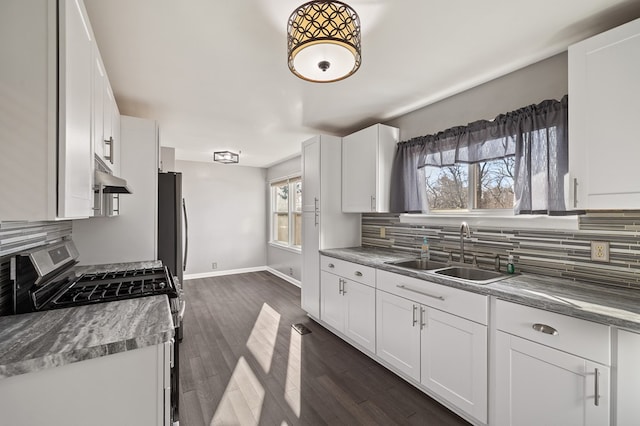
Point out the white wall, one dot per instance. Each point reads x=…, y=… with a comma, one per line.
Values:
x=285, y=261
x=530, y=85
x=226, y=207
x=132, y=236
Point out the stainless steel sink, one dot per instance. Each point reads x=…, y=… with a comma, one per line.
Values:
x=478, y=276
x=420, y=264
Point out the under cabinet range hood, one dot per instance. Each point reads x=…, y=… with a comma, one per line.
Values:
x=110, y=184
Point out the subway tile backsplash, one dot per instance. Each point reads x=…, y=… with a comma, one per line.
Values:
x=565, y=254
x=18, y=236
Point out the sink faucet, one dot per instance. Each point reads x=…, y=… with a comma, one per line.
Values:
x=464, y=229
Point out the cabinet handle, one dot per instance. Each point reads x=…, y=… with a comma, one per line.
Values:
x=331, y=265
x=415, y=310
x=340, y=286
x=109, y=143
x=575, y=193
x=404, y=287
x=597, y=388
x=373, y=203
x=316, y=211
x=358, y=274
x=344, y=287
x=423, y=322
x=546, y=329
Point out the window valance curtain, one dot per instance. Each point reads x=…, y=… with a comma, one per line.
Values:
x=536, y=135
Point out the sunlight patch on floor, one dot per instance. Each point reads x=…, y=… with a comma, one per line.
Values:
x=292, y=382
x=242, y=399
x=262, y=340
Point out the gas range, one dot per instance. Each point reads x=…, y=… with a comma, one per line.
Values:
x=48, y=278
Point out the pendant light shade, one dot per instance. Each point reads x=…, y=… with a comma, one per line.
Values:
x=323, y=41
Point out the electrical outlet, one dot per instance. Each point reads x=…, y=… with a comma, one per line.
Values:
x=291, y=271
x=600, y=251
x=214, y=265
x=383, y=232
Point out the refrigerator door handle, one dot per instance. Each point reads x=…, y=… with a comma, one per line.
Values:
x=186, y=235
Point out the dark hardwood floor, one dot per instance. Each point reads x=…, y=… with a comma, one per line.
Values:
x=241, y=363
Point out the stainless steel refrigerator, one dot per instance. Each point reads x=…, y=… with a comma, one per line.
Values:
x=173, y=234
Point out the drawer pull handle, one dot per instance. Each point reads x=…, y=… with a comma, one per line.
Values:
x=546, y=329
x=415, y=310
x=358, y=274
x=331, y=265
x=404, y=287
x=597, y=385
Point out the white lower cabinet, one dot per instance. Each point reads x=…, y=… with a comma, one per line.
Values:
x=454, y=360
x=445, y=353
x=628, y=379
x=398, y=333
x=544, y=376
x=349, y=307
x=126, y=388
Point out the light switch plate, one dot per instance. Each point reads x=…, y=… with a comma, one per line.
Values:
x=600, y=251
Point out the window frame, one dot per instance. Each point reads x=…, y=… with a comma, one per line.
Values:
x=274, y=184
x=472, y=183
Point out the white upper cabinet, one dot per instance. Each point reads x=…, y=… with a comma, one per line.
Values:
x=75, y=160
x=367, y=157
x=51, y=93
x=604, y=105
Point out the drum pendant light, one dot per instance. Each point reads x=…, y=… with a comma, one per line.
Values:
x=323, y=41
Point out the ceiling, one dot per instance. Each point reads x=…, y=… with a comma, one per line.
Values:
x=214, y=73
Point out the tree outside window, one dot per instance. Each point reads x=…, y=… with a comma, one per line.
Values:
x=449, y=187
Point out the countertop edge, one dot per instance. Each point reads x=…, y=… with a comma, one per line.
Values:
x=620, y=308
x=158, y=331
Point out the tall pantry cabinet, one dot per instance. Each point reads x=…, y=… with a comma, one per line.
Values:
x=324, y=225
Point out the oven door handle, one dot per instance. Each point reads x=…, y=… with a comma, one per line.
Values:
x=183, y=307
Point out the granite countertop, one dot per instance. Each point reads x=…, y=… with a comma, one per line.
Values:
x=39, y=340
x=607, y=305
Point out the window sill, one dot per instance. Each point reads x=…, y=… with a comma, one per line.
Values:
x=565, y=223
x=297, y=250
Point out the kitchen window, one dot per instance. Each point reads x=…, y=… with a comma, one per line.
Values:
x=487, y=185
x=286, y=213
x=517, y=162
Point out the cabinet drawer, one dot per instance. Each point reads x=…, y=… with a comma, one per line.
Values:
x=462, y=303
x=352, y=271
x=585, y=339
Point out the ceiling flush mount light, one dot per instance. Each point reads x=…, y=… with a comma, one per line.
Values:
x=226, y=157
x=323, y=41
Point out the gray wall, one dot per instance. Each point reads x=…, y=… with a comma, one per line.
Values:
x=226, y=212
x=530, y=85
x=285, y=261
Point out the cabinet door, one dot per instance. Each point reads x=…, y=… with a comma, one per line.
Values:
x=359, y=163
x=605, y=102
x=311, y=175
x=628, y=379
x=332, y=301
x=360, y=314
x=537, y=385
x=454, y=360
x=310, y=286
x=99, y=78
x=398, y=333
x=75, y=156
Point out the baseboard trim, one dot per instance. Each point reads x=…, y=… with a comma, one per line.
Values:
x=272, y=271
x=284, y=277
x=227, y=272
